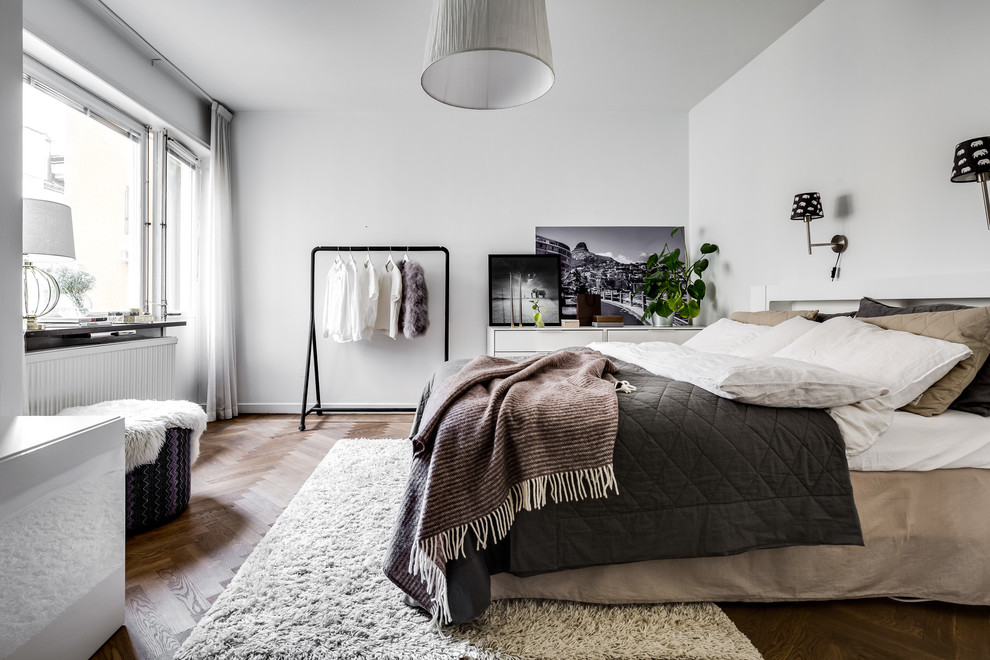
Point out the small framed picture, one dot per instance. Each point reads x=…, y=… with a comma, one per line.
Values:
x=522, y=285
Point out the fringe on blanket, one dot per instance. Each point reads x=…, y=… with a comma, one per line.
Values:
x=428, y=555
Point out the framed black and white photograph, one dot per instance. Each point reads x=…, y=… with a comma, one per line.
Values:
x=517, y=282
x=608, y=263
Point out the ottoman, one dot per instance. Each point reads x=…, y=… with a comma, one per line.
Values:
x=161, y=442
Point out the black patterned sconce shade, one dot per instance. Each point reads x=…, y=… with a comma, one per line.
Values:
x=971, y=162
x=807, y=207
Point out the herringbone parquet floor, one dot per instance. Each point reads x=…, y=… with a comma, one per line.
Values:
x=250, y=467
x=248, y=470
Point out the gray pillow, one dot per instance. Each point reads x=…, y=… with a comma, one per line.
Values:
x=821, y=318
x=871, y=307
x=976, y=397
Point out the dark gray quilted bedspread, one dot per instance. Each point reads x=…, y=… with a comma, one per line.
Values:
x=698, y=476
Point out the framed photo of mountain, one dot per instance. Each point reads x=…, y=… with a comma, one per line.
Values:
x=608, y=261
x=518, y=281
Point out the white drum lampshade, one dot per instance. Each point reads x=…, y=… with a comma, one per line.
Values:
x=47, y=231
x=488, y=54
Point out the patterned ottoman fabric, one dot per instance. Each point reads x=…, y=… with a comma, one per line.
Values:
x=158, y=492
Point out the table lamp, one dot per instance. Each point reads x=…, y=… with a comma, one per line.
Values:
x=47, y=236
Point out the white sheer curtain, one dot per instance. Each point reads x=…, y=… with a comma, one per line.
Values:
x=218, y=275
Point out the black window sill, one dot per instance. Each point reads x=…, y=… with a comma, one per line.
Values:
x=66, y=337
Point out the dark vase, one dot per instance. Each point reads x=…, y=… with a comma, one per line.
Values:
x=588, y=305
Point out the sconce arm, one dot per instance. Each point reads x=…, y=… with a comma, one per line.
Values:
x=839, y=244
x=982, y=178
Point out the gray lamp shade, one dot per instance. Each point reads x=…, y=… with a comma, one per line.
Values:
x=971, y=159
x=47, y=231
x=488, y=54
x=807, y=205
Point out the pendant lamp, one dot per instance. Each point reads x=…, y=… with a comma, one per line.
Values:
x=488, y=54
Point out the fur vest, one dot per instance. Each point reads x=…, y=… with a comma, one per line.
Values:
x=414, y=314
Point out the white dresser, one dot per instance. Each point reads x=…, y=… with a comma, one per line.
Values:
x=61, y=535
x=504, y=341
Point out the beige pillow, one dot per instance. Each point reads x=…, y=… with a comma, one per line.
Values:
x=963, y=326
x=772, y=317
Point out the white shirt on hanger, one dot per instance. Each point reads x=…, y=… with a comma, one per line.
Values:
x=336, y=308
x=365, y=298
x=389, y=298
x=351, y=300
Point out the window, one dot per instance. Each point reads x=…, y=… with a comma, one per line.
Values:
x=181, y=185
x=72, y=158
x=105, y=165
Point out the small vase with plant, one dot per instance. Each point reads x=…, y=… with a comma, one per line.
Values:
x=75, y=281
x=672, y=286
x=537, y=313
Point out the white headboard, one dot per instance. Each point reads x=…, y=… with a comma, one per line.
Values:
x=965, y=288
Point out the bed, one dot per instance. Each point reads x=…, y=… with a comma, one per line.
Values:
x=916, y=483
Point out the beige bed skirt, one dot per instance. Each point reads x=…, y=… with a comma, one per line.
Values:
x=927, y=535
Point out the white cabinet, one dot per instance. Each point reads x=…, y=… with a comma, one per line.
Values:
x=531, y=340
x=61, y=535
x=637, y=335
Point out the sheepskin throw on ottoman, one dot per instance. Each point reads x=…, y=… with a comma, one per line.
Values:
x=161, y=442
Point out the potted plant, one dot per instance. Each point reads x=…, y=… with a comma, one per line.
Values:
x=672, y=286
x=75, y=281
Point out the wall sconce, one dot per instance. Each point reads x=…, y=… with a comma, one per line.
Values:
x=808, y=207
x=971, y=162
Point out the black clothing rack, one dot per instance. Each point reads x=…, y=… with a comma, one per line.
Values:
x=312, y=359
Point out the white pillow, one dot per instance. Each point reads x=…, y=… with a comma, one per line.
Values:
x=767, y=381
x=905, y=363
x=725, y=335
x=776, y=338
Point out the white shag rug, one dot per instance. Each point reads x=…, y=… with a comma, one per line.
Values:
x=314, y=588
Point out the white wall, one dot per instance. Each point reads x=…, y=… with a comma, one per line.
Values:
x=475, y=182
x=861, y=101
x=11, y=339
x=74, y=30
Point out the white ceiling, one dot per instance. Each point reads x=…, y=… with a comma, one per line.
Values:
x=366, y=55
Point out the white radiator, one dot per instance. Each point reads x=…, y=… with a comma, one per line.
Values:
x=79, y=376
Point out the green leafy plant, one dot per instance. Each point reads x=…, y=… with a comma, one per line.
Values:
x=538, y=312
x=673, y=286
x=74, y=282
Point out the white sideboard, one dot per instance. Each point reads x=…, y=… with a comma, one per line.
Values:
x=532, y=340
x=61, y=535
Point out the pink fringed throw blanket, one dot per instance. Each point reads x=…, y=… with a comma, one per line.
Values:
x=496, y=438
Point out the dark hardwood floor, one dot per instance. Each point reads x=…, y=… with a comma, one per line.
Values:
x=250, y=467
